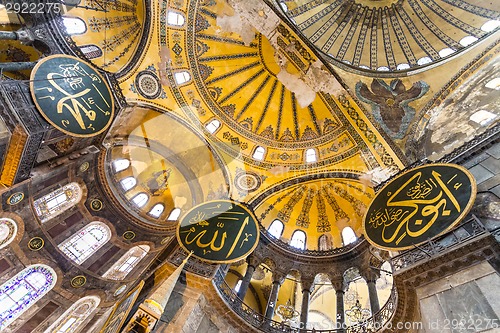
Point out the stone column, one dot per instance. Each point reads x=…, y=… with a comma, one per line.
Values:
x=273, y=297
x=339, y=286
x=306, y=293
x=245, y=282
x=373, y=295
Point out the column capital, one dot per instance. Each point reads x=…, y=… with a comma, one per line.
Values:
x=253, y=261
x=278, y=277
x=369, y=274
x=338, y=283
x=307, y=284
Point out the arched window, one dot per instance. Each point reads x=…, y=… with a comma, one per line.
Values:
x=311, y=156
x=238, y=286
x=259, y=153
x=58, y=201
x=490, y=25
x=424, y=61
x=126, y=263
x=466, y=41
x=348, y=236
x=182, y=77
x=402, y=67
x=74, y=25
x=73, y=318
x=213, y=126
x=446, y=52
x=276, y=228
x=23, y=290
x=140, y=199
x=157, y=210
x=174, y=214
x=8, y=231
x=128, y=183
x=298, y=240
x=86, y=241
x=121, y=164
x=176, y=19
x=383, y=69
x=324, y=243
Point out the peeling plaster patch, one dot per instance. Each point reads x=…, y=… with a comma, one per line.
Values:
x=377, y=175
x=239, y=25
x=305, y=95
x=165, y=62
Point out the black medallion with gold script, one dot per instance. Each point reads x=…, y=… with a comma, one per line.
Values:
x=72, y=96
x=219, y=231
x=419, y=205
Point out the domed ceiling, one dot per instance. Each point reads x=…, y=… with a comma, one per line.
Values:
x=392, y=35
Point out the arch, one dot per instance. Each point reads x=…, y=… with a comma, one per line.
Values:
x=175, y=18
x=120, y=164
x=74, y=317
x=8, y=231
x=311, y=156
x=74, y=25
x=140, y=199
x=126, y=263
x=276, y=228
x=23, y=290
x=348, y=236
x=174, y=214
x=86, y=241
x=325, y=242
x=259, y=153
x=128, y=183
x=298, y=239
x=58, y=201
x=157, y=210
x=182, y=77
x=213, y=126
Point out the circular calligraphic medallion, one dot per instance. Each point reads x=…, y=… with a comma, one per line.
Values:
x=219, y=231
x=72, y=96
x=96, y=205
x=419, y=205
x=128, y=235
x=36, y=243
x=78, y=281
x=15, y=198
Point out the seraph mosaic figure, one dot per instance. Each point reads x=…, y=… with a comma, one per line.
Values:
x=390, y=103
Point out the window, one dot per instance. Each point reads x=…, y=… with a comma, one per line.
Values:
x=58, y=201
x=140, y=199
x=490, y=25
x=311, y=156
x=276, y=228
x=182, y=77
x=424, y=61
x=126, y=263
x=74, y=25
x=121, y=164
x=259, y=153
x=157, y=210
x=174, y=214
x=298, y=240
x=8, y=231
x=86, y=242
x=383, y=69
x=213, y=126
x=238, y=286
x=325, y=242
x=402, y=67
x=176, y=19
x=23, y=290
x=73, y=318
x=466, y=41
x=348, y=236
x=493, y=84
x=446, y=52
x=483, y=117
x=128, y=183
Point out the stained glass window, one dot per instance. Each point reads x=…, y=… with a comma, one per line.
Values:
x=126, y=263
x=121, y=164
x=73, y=318
x=298, y=240
x=348, y=236
x=276, y=228
x=128, y=183
x=23, y=290
x=157, y=210
x=8, y=230
x=86, y=241
x=58, y=201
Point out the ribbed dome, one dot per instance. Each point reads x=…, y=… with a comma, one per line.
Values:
x=389, y=35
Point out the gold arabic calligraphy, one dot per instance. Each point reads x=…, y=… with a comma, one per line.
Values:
x=399, y=213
